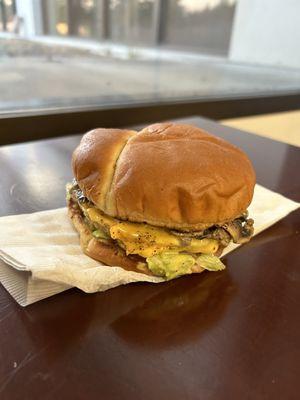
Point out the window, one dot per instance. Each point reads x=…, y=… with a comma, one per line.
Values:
x=7, y=15
x=199, y=25
x=88, y=53
x=131, y=21
x=56, y=18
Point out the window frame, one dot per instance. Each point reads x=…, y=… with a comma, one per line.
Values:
x=46, y=123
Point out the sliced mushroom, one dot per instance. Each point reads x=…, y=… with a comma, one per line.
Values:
x=248, y=230
x=240, y=233
x=191, y=234
x=234, y=228
x=222, y=236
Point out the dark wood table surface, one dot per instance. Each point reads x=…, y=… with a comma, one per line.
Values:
x=228, y=335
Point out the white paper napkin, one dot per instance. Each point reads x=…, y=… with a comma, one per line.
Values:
x=40, y=253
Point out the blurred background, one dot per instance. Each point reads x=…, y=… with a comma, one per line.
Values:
x=58, y=54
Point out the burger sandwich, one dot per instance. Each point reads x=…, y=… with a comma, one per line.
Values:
x=164, y=201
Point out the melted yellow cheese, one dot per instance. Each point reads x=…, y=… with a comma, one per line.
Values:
x=146, y=240
x=96, y=216
x=143, y=239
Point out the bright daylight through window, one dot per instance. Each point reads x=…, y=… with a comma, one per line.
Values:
x=65, y=53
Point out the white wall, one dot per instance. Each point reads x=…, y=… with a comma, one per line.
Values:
x=267, y=32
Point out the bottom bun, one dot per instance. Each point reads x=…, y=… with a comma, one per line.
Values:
x=108, y=253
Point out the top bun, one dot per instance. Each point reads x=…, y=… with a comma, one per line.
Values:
x=172, y=175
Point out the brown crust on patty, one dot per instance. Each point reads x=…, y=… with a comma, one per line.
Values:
x=109, y=254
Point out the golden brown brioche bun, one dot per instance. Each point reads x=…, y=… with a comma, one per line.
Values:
x=109, y=254
x=172, y=175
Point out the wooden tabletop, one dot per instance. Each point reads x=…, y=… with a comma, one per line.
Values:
x=283, y=126
x=227, y=335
